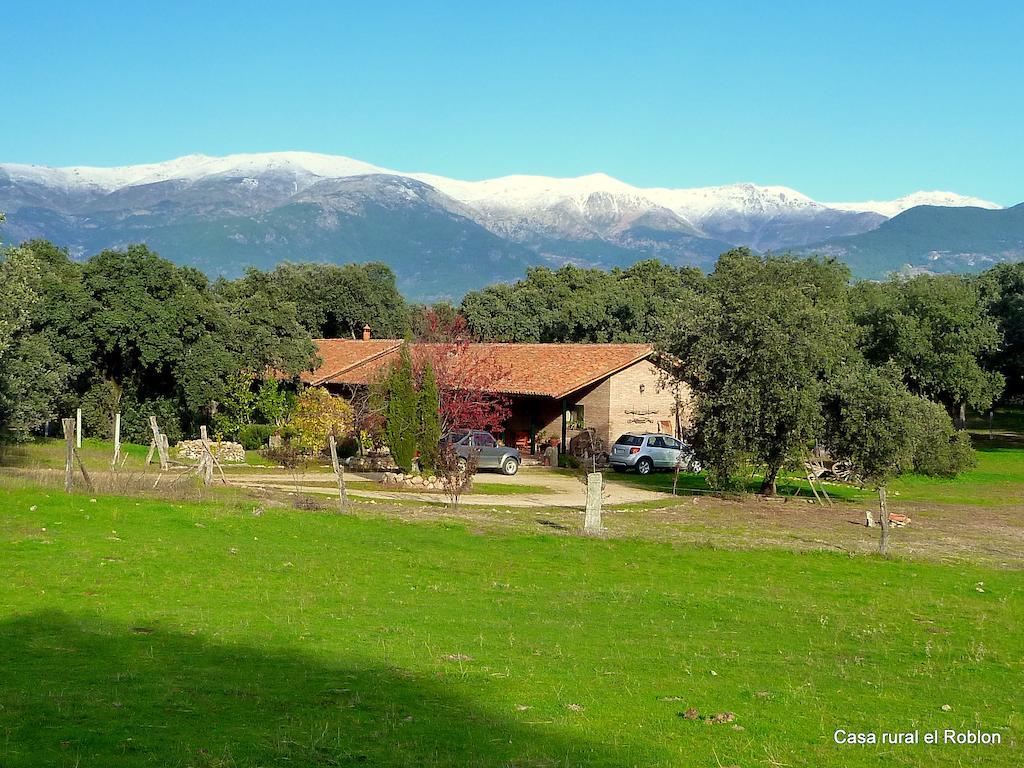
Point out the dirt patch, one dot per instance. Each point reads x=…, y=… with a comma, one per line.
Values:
x=990, y=535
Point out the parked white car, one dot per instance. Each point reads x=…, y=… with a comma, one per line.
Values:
x=647, y=451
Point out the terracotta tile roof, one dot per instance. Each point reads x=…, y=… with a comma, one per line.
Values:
x=546, y=370
x=341, y=355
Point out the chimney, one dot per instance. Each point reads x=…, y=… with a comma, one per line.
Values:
x=366, y=332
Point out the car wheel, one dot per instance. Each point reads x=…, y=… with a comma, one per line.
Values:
x=510, y=466
x=645, y=466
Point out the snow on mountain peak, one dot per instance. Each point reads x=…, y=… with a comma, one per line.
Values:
x=519, y=205
x=190, y=168
x=890, y=208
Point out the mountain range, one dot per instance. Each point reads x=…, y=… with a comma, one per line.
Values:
x=445, y=236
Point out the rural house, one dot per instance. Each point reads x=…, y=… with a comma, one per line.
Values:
x=554, y=390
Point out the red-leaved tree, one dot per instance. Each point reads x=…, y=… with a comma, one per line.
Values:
x=467, y=374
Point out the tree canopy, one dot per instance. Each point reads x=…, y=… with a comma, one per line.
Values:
x=332, y=301
x=580, y=305
x=757, y=343
x=1002, y=290
x=130, y=331
x=935, y=329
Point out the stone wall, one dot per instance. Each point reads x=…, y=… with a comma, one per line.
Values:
x=413, y=482
x=192, y=450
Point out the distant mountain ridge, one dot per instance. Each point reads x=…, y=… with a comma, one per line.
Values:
x=441, y=236
x=932, y=238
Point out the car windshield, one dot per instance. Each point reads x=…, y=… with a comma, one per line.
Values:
x=629, y=440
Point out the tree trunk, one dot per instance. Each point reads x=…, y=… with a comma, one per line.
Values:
x=883, y=511
x=768, y=484
x=961, y=421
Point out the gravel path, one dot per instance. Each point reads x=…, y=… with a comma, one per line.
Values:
x=563, y=490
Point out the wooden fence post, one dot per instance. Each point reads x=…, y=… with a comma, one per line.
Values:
x=78, y=428
x=117, y=439
x=159, y=443
x=883, y=511
x=339, y=472
x=69, y=457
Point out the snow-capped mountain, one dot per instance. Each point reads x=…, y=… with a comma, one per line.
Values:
x=890, y=208
x=226, y=213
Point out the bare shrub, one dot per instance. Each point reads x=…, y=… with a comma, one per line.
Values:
x=308, y=503
x=456, y=473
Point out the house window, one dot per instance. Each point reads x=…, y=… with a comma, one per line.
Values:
x=574, y=417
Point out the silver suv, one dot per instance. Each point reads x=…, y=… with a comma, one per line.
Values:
x=647, y=451
x=482, y=445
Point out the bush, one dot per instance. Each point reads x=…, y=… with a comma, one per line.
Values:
x=317, y=414
x=255, y=436
x=99, y=405
x=287, y=456
x=939, y=448
x=565, y=461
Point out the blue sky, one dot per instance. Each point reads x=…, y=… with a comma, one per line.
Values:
x=843, y=101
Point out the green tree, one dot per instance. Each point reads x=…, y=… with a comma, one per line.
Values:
x=273, y=402
x=401, y=412
x=428, y=437
x=872, y=421
x=161, y=334
x=32, y=375
x=1002, y=290
x=62, y=312
x=758, y=342
x=332, y=301
x=937, y=331
x=237, y=405
x=580, y=305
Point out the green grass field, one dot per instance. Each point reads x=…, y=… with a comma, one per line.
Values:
x=141, y=632
x=997, y=479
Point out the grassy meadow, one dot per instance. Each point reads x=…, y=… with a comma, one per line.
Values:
x=159, y=628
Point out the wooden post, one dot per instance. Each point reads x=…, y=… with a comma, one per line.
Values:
x=869, y=520
x=339, y=472
x=206, y=468
x=85, y=472
x=158, y=443
x=78, y=428
x=117, y=439
x=592, y=518
x=213, y=462
x=69, y=457
x=154, y=444
x=164, y=452
x=203, y=435
x=810, y=482
x=883, y=510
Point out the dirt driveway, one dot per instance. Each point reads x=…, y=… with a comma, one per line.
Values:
x=560, y=490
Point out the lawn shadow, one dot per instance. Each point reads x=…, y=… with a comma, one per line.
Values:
x=78, y=690
x=552, y=524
